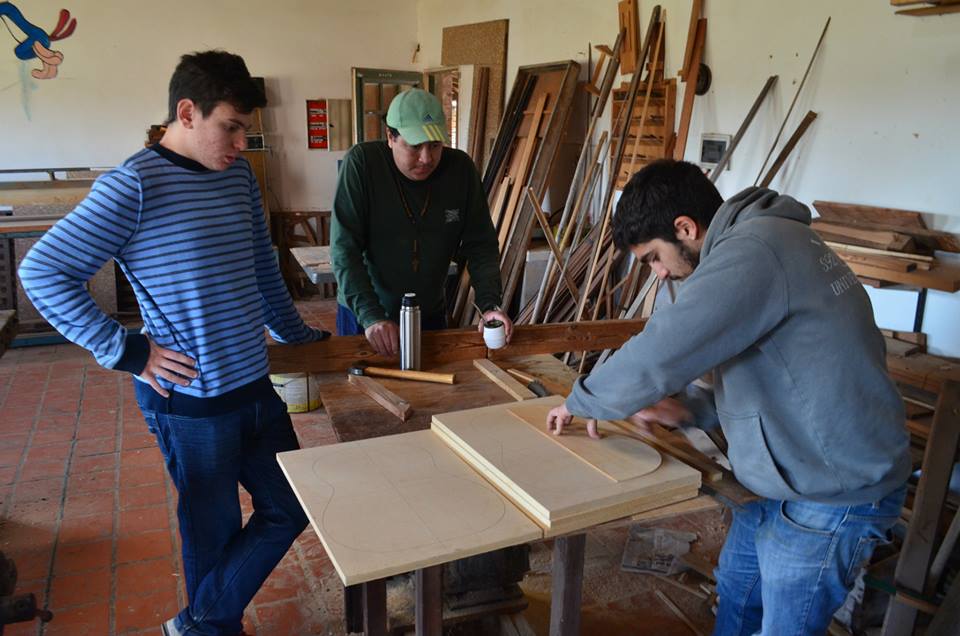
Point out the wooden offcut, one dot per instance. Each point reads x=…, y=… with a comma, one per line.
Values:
x=503, y=379
x=381, y=395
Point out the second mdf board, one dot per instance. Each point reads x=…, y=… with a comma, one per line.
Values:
x=393, y=504
x=560, y=491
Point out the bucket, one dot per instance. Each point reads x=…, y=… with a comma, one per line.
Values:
x=300, y=391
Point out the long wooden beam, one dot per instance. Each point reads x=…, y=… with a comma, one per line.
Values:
x=337, y=354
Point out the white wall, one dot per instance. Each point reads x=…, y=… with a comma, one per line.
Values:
x=886, y=89
x=113, y=81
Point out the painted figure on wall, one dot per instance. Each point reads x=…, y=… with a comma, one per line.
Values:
x=36, y=44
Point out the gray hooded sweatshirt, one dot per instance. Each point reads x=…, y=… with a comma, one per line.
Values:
x=800, y=380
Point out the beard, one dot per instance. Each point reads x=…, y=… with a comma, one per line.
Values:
x=690, y=258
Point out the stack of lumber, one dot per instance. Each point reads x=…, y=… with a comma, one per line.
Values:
x=522, y=158
x=578, y=277
x=884, y=246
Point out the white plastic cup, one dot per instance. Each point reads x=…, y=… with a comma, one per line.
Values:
x=494, y=334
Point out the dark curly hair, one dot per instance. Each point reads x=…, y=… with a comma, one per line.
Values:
x=210, y=77
x=656, y=195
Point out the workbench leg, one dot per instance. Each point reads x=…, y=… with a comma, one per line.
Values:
x=429, y=606
x=375, y=608
x=353, y=608
x=567, y=585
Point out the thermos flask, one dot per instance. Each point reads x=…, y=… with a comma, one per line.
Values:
x=409, y=333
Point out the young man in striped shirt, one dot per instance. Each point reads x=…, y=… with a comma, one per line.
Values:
x=184, y=221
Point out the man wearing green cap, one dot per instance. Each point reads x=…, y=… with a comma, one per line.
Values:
x=405, y=208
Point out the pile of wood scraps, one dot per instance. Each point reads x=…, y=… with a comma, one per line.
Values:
x=887, y=247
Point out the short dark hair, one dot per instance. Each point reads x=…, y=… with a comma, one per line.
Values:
x=656, y=195
x=210, y=77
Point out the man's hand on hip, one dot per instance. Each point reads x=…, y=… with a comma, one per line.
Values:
x=384, y=337
x=169, y=365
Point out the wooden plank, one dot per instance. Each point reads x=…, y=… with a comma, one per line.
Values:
x=718, y=169
x=900, y=348
x=788, y=148
x=503, y=379
x=678, y=612
x=428, y=583
x=619, y=457
x=355, y=417
x=68, y=192
x=375, y=608
x=35, y=225
x=923, y=371
x=438, y=508
x=526, y=156
x=8, y=328
x=856, y=213
x=793, y=102
x=566, y=592
x=551, y=241
x=339, y=353
x=877, y=239
x=920, y=259
x=942, y=277
x=569, y=336
x=917, y=550
x=927, y=11
x=559, y=491
x=381, y=395
x=696, y=10
x=686, y=111
x=629, y=19
x=895, y=264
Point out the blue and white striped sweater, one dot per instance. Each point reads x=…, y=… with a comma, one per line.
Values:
x=195, y=247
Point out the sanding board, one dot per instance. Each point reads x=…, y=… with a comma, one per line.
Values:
x=616, y=455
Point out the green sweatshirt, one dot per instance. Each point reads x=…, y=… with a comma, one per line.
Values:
x=372, y=238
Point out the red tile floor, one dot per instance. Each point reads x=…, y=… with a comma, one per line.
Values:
x=88, y=514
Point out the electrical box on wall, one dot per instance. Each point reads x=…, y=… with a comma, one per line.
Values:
x=712, y=148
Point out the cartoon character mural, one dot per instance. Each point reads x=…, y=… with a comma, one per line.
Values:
x=37, y=41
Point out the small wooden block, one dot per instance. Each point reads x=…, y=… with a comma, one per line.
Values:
x=503, y=379
x=381, y=395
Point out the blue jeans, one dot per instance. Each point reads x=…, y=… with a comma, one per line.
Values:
x=787, y=566
x=348, y=325
x=225, y=562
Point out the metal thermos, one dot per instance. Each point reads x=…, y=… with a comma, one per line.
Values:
x=409, y=333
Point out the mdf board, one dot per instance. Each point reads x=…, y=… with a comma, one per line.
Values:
x=393, y=504
x=560, y=491
x=481, y=44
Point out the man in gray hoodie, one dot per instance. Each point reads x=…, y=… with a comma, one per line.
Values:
x=814, y=424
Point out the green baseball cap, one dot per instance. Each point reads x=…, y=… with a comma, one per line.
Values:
x=418, y=116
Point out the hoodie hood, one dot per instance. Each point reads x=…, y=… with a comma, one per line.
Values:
x=750, y=204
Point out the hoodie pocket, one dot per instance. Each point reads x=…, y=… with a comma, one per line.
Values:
x=750, y=457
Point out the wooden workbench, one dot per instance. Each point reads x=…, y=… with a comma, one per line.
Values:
x=355, y=416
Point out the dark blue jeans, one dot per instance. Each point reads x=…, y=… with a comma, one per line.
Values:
x=348, y=325
x=225, y=562
x=787, y=566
